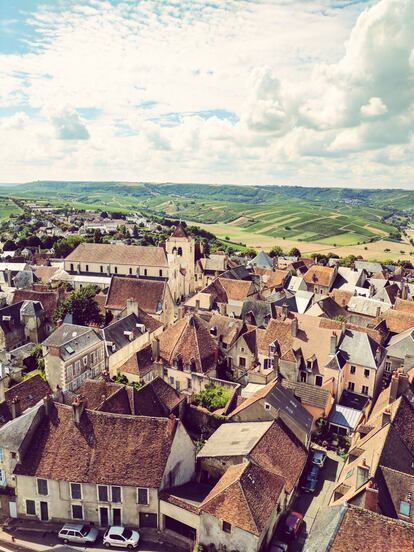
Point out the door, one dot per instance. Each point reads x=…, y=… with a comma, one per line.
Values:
x=12, y=509
x=44, y=511
x=147, y=520
x=103, y=516
x=116, y=516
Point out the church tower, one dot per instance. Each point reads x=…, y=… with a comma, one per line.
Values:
x=180, y=247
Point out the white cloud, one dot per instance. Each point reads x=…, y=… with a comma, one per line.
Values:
x=265, y=91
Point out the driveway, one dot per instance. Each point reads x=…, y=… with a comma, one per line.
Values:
x=309, y=504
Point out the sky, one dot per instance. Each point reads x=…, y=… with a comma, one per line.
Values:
x=295, y=92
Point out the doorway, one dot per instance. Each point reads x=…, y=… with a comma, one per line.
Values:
x=116, y=516
x=103, y=516
x=44, y=511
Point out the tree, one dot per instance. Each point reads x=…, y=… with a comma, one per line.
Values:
x=294, y=252
x=66, y=245
x=97, y=236
x=250, y=252
x=9, y=245
x=276, y=251
x=82, y=305
x=33, y=241
x=212, y=397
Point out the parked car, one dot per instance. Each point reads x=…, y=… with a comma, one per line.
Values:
x=278, y=546
x=318, y=457
x=78, y=533
x=311, y=479
x=293, y=524
x=121, y=537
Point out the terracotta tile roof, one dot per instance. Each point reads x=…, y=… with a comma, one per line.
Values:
x=236, y=289
x=404, y=306
x=148, y=293
x=48, y=299
x=132, y=255
x=281, y=453
x=308, y=394
x=261, y=394
x=103, y=448
x=140, y=363
x=156, y=398
x=245, y=496
x=189, y=339
x=45, y=273
x=398, y=321
x=320, y=275
x=363, y=531
x=96, y=391
x=117, y=403
x=28, y=392
x=272, y=278
x=227, y=328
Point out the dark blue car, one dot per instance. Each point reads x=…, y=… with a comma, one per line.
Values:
x=311, y=479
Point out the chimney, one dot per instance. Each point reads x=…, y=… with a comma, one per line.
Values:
x=78, y=406
x=58, y=395
x=398, y=385
x=155, y=349
x=386, y=417
x=378, y=312
x=48, y=404
x=404, y=291
x=284, y=311
x=132, y=307
x=222, y=308
x=171, y=424
x=15, y=407
x=294, y=327
x=371, y=497
x=333, y=344
x=276, y=363
x=371, y=290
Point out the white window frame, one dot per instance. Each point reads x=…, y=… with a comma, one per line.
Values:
x=147, y=491
x=1, y=454
x=85, y=360
x=365, y=387
x=120, y=494
x=37, y=486
x=77, y=367
x=107, y=494
x=81, y=490
x=35, y=506
x=388, y=366
x=81, y=507
x=69, y=372
x=267, y=406
x=93, y=358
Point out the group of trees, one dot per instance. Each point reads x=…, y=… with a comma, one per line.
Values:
x=81, y=304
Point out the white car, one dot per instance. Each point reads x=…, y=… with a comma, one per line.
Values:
x=121, y=537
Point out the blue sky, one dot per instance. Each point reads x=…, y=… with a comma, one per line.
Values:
x=308, y=92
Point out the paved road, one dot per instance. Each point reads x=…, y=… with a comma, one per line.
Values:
x=309, y=504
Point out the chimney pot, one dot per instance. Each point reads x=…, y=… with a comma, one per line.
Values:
x=15, y=407
x=78, y=406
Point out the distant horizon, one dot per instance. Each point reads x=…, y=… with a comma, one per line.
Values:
x=166, y=183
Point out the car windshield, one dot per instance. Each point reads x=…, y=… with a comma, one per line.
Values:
x=85, y=530
x=127, y=533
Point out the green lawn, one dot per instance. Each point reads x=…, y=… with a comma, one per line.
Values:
x=7, y=208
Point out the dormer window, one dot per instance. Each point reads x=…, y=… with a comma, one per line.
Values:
x=405, y=508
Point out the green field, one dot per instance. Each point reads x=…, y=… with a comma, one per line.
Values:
x=260, y=215
x=7, y=208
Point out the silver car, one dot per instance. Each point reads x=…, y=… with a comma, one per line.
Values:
x=121, y=537
x=78, y=533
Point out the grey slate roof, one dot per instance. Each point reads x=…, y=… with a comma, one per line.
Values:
x=360, y=348
x=324, y=528
x=72, y=339
x=282, y=399
x=368, y=266
x=262, y=260
x=114, y=333
x=14, y=432
x=308, y=394
x=344, y=416
x=259, y=309
x=402, y=345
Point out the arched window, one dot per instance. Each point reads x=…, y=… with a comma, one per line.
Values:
x=180, y=252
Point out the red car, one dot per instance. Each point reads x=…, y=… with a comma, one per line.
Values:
x=293, y=524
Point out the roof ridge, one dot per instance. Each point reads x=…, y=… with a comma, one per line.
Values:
x=205, y=501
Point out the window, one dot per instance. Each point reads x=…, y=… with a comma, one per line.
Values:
x=87, y=268
x=364, y=390
x=30, y=507
x=85, y=360
x=171, y=380
x=142, y=495
x=71, y=267
x=226, y=527
x=101, y=268
x=1, y=455
x=242, y=349
x=69, y=371
x=177, y=385
x=145, y=272
x=77, y=367
x=165, y=372
x=189, y=384
x=102, y=493
x=242, y=361
x=160, y=272
x=93, y=358
x=116, y=494
x=77, y=511
x=42, y=487
x=303, y=377
x=351, y=386
x=366, y=373
x=318, y=381
x=130, y=271
x=116, y=269
x=353, y=369
x=266, y=406
x=405, y=508
x=388, y=366
x=76, y=491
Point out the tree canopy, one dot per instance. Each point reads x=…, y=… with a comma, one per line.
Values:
x=82, y=305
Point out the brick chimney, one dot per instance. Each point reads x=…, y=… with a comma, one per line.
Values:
x=132, y=306
x=78, y=406
x=172, y=424
x=333, y=344
x=294, y=327
x=371, y=497
x=16, y=407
